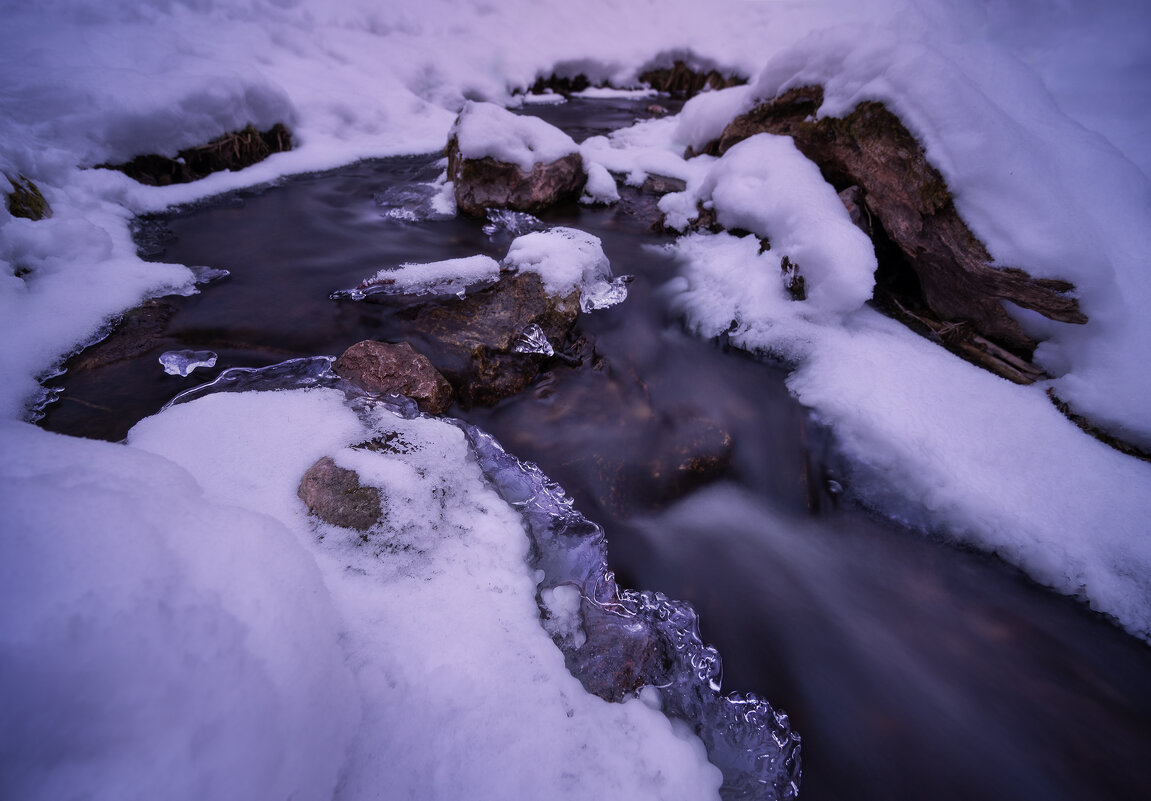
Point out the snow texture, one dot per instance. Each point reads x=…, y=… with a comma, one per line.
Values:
x=172, y=627
x=487, y=130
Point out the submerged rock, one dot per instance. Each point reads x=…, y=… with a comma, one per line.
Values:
x=948, y=271
x=334, y=494
x=473, y=340
x=385, y=368
x=25, y=200
x=500, y=160
x=232, y=151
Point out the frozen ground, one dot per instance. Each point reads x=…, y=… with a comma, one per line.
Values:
x=165, y=604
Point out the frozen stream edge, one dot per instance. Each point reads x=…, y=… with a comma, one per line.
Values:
x=746, y=738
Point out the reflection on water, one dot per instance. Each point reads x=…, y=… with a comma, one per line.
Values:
x=912, y=669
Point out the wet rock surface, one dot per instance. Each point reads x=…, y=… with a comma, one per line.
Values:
x=334, y=494
x=472, y=340
x=384, y=368
x=482, y=184
x=232, y=151
x=943, y=272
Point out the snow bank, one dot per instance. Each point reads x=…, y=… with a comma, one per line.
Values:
x=486, y=130
x=945, y=445
x=155, y=642
x=458, y=682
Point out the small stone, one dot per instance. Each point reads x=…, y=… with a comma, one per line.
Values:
x=333, y=494
x=385, y=368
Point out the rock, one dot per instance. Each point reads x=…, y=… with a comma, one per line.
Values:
x=682, y=81
x=471, y=340
x=618, y=658
x=232, y=151
x=26, y=201
x=385, y=368
x=334, y=495
x=482, y=181
x=906, y=200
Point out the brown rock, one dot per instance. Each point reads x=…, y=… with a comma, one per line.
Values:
x=470, y=340
x=482, y=184
x=334, y=495
x=907, y=199
x=385, y=368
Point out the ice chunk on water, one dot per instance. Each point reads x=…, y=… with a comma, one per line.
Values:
x=533, y=340
x=183, y=362
x=511, y=222
x=417, y=202
x=207, y=275
x=604, y=294
x=312, y=371
x=446, y=277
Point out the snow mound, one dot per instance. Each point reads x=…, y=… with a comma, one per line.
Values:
x=487, y=130
x=766, y=186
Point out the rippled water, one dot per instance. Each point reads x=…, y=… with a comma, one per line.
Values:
x=912, y=669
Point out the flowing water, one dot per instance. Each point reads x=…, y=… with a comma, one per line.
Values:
x=913, y=669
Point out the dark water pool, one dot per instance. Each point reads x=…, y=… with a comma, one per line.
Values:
x=912, y=669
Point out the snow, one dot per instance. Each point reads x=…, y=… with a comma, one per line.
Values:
x=447, y=276
x=486, y=130
x=173, y=626
x=766, y=186
x=454, y=675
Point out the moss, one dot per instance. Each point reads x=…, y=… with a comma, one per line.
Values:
x=26, y=200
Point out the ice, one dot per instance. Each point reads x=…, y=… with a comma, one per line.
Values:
x=183, y=362
x=310, y=371
x=533, y=340
x=752, y=743
x=447, y=277
x=506, y=221
x=417, y=202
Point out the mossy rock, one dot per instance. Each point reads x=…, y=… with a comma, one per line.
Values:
x=26, y=200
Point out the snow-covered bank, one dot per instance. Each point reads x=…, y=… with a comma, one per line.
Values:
x=245, y=651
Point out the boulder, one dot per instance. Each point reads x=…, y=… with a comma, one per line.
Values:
x=333, y=494
x=501, y=160
x=947, y=271
x=472, y=340
x=232, y=151
x=386, y=368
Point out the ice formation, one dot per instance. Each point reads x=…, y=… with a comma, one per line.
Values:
x=183, y=362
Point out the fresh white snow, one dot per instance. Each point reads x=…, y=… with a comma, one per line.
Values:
x=173, y=626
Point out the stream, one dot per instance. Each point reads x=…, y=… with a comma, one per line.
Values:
x=912, y=668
